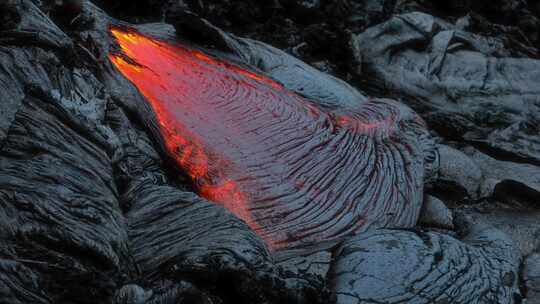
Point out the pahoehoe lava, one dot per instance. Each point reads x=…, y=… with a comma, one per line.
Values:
x=296, y=173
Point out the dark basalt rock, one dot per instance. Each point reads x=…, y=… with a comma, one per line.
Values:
x=93, y=210
x=132, y=294
x=10, y=17
x=19, y=284
x=503, y=12
x=61, y=221
x=531, y=271
x=447, y=73
x=75, y=233
x=309, y=30
x=26, y=26
x=295, y=75
x=393, y=266
x=136, y=10
x=316, y=264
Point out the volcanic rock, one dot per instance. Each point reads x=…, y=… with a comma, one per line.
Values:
x=393, y=266
x=96, y=208
x=446, y=74
x=532, y=278
x=526, y=174
x=458, y=174
x=435, y=214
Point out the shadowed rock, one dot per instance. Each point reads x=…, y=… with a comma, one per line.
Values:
x=19, y=284
x=532, y=278
x=23, y=59
x=59, y=202
x=325, y=90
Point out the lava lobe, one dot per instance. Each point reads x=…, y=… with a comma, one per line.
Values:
x=295, y=173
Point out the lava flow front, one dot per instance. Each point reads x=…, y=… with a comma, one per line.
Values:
x=294, y=173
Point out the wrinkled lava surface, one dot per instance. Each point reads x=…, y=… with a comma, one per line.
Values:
x=295, y=173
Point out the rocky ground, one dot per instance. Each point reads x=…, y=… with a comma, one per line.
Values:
x=93, y=211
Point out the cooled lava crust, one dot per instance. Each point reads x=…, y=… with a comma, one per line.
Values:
x=296, y=173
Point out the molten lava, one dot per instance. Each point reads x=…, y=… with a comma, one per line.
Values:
x=294, y=173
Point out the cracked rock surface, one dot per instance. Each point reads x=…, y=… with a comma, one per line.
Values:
x=390, y=266
x=94, y=210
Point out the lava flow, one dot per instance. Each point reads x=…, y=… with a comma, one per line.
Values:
x=294, y=173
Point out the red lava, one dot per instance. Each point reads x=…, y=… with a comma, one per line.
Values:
x=284, y=166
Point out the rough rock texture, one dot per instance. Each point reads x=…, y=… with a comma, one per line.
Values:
x=82, y=188
x=94, y=210
x=285, y=165
x=23, y=22
x=19, y=284
x=435, y=214
x=532, y=278
x=519, y=178
x=524, y=232
x=314, y=264
x=176, y=234
x=466, y=90
x=393, y=266
x=325, y=90
x=518, y=20
x=457, y=173
x=61, y=221
x=77, y=230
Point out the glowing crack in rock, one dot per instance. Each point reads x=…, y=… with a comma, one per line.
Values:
x=296, y=174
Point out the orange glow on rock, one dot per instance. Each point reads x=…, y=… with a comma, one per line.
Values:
x=293, y=172
x=181, y=142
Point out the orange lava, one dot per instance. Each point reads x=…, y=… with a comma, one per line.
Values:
x=183, y=145
x=297, y=175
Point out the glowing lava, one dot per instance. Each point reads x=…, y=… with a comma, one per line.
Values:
x=292, y=172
